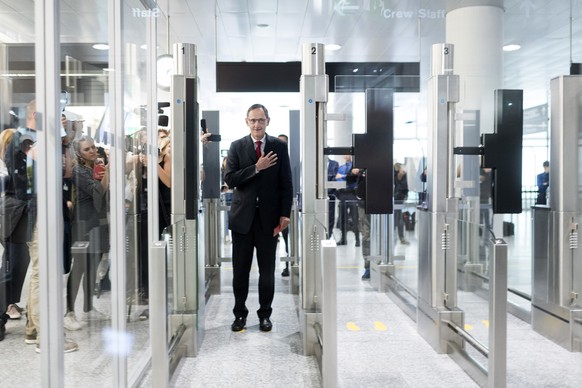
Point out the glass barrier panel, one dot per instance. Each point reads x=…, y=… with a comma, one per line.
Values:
x=405, y=246
x=472, y=279
x=135, y=99
x=174, y=235
x=19, y=292
x=225, y=238
x=88, y=303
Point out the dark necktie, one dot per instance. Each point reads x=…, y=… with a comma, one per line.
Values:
x=258, y=149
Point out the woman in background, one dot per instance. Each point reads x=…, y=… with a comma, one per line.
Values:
x=91, y=183
x=165, y=182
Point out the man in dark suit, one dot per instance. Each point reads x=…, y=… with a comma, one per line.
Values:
x=258, y=170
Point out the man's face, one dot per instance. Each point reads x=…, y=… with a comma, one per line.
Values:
x=257, y=123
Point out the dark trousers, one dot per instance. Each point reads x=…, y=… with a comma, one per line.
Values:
x=15, y=261
x=84, y=267
x=331, y=219
x=348, y=214
x=142, y=265
x=242, y=259
x=398, y=220
x=485, y=216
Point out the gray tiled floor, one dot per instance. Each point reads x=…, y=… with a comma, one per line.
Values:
x=378, y=345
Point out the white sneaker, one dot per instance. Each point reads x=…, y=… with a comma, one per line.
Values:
x=14, y=312
x=68, y=346
x=94, y=315
x=71, y=322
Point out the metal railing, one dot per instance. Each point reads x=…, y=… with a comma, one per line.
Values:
x=495, y=374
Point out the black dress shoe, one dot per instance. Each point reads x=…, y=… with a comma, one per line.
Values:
x=238, y=324
x=285, y=272
x=265, y=324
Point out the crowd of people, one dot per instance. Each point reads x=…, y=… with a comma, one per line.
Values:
x=85, y=178
x=350, y=205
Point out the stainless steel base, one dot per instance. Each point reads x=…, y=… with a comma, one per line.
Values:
x=294, y=279
x=212, y=280
x=378, y=275
x=565, y=332
x=311, y=343
x=433, y=328
x=187, y=337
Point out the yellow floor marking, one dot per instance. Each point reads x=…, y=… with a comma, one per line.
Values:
x=352, y=326
x=379, y=326
x=468, y=327
x=485, y=322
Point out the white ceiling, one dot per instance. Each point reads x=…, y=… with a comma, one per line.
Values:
x=549, y=31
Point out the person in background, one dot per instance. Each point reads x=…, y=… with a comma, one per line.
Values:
x=348, y=207
x=259, y=172
x=485, y=197
x=66, y=140
x=21, y=165
x=15, y=258
x=165, y=182
x=543, y=181
x=422, y=194
x=91, y=183
x=13, y=269
x=363, y=219
x=162, y=134
x=332, y=168
x=400, y=195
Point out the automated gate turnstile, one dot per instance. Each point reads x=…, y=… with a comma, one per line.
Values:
x=372, y=151
x=557, y=259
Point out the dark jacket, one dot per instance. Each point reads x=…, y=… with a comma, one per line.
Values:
x=332, y=168
x=400, y=187
x=21, y=187
x=270, y=190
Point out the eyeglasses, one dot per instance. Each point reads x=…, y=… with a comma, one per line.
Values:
x=254, y=121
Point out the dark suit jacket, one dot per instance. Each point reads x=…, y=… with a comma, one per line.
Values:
x=271, y=189
x=332, y=168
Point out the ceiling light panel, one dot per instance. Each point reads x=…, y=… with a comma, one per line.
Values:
x=262, y=6
x=267, y=20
